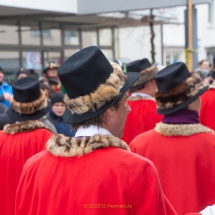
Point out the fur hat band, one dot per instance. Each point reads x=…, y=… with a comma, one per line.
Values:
x=146, y=75
x=181, y=93
x=146, y=71
x=104, y=93
x=29, y=107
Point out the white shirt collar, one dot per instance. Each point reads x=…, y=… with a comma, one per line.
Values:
x=90, y=131
x=141, y=94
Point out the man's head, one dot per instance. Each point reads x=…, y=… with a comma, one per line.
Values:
x=149, y=88
x=58, y=106
x=51, y=70
x=113, y=118
x=178, y=89
x=145, y=83
x=1, y=76
x=204, y=64
x=21, y=73
x=53, y=84
x=93, y=86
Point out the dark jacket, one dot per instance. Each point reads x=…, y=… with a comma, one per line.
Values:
x=60, y=125
x=4, y=119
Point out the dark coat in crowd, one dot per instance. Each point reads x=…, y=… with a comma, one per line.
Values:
x=4, y=119
x=60, y=125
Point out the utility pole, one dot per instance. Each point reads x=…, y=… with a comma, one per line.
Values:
x=190, y=34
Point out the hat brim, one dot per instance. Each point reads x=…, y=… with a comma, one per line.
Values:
x=45, y=70
x=24, y=117
x=139, y=86
x=71, y=118
x=182, y=105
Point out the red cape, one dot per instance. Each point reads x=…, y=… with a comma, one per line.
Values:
x=15, y=149
x=207, y=113
x=143, y=117
x=185, y=166
x=103, y=182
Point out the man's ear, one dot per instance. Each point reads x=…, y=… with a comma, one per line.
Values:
x=110, y=111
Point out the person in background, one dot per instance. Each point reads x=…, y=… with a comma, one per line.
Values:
x=4, y=119
x=46, y=89
x=204, y=64
x=93, y=172
x=21, y=73
x=6, y=91
x=19, y=141
x=207, y=116
x=143, y=116
x=32, y=73
x=43, y=80
x=54, y=85
x=51, y=70
x=181, y=148
x=55, y=116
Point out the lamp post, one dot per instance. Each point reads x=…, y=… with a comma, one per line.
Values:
x=190, y=34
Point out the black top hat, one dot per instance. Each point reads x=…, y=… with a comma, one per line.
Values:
x=146, y=71
x=51, y=65
x=92, y=84
x=177, y=88
x=29, y=102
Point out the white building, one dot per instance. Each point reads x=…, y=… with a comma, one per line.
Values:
x=35, y=32
x=135, y=42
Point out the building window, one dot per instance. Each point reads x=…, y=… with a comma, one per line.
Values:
x=210, y=55
x=89, y=38
x=9, y=34
x=172, y=57
x=105, y=37
x=71, y=37
x=35, y=32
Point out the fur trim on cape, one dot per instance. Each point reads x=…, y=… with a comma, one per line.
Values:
x=29, y=107
x=212, y=86
x=181, y=129
x=25, y=126
x=60, y=145
x=146, y=75
x=181, y=93
x=104, y=93
x=139, y=97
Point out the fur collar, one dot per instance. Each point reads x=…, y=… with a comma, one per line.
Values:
x=25, y=126
x=212, y=86
x=139, y=97
x=181, y=129
x=60, y=145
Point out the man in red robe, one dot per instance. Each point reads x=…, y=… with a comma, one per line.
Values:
x=182, y=149
x=21, y=140
x=143, y=116
x=207, y=116
x=93, y=172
